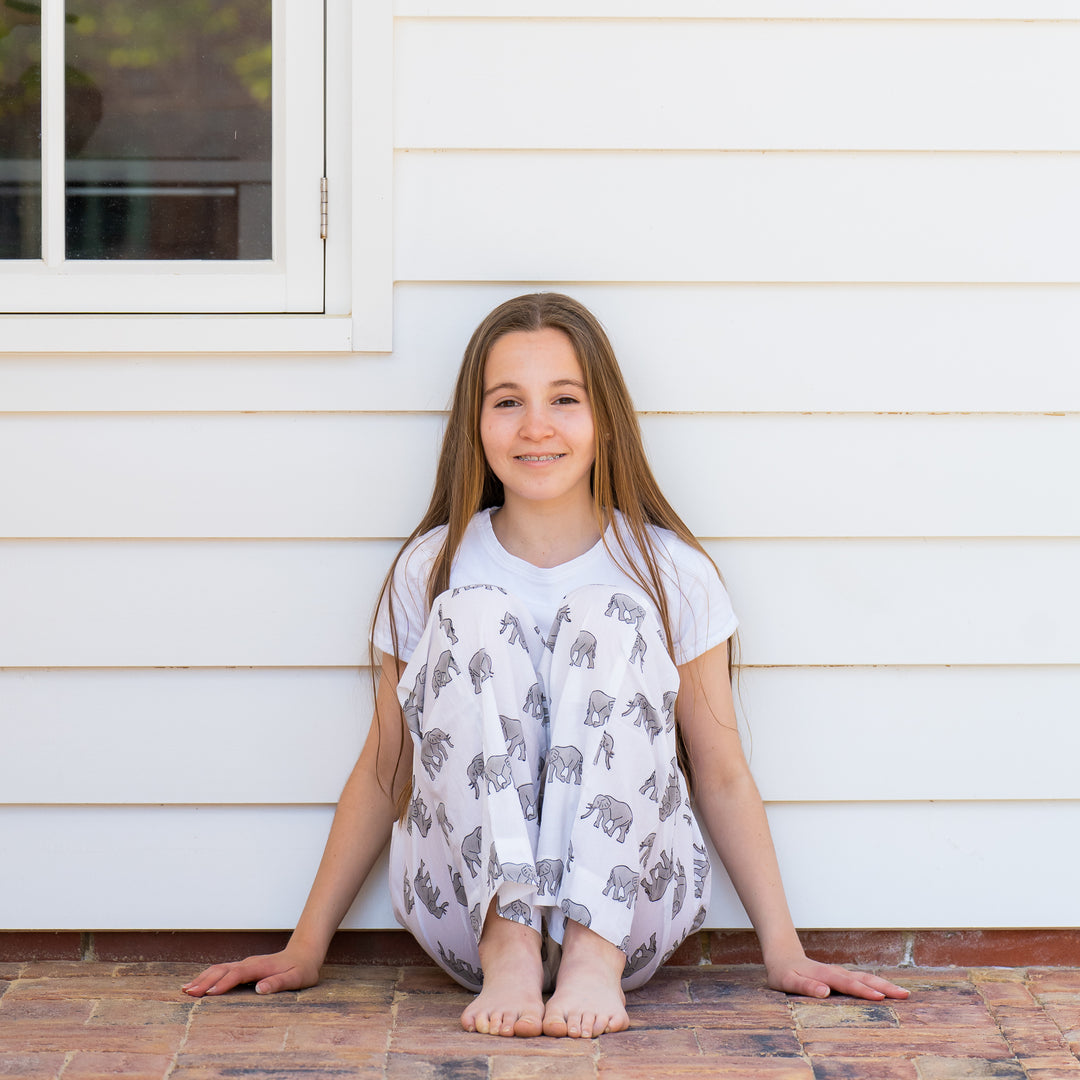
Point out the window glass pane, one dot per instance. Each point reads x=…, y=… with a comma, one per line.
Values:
x=20, y=130
x=168, y=129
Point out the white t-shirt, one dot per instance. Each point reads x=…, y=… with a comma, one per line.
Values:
x=698, y=604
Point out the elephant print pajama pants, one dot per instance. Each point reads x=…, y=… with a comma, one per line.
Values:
x=545, y=776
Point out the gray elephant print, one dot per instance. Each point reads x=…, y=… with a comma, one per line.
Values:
x=561, y=616
x=447, y=627
x=607, y=749
x=515, y=740
x=494, y=870
x=672, y=797
x=564, y=763
x=418, y=816
x=414, y=703
x=660, y=878
x=599, y=711
x=549, y=873
x=646, y=716
x=640, y=957
x=474, y=772
x=476, y=922
x=527, y=798
x=622, y=885
x=583, y=649
x=613, y=816
x=427, y=895
x=649, y=787
x=433, y=751
x=407, y=895
x=668, y=709
x=645, y=848
x=516, y=911
x=441, y=675
x=516, y=637
x=701, y=870
x=699, y=920
x=519, y=872
x=470, y=850
x=637, y=653
x=626, y=609
x=497, y=772
x=535, y=706
x=459, y=886
x=480, y=669
x=445, y=823
x=680, y=889
x=461, y=968
x=578, y=912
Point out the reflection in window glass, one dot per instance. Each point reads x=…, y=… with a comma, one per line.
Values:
x=20, y=130
x=168, y=129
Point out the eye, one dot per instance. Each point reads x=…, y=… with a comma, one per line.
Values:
x=504, y=403
x=566, y=399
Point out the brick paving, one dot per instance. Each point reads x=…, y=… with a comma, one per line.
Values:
x=83, y=1020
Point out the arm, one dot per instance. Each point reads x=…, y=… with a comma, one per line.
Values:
x=360, y=830
x=734, y=816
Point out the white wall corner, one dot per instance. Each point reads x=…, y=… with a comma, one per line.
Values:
x=372, y=131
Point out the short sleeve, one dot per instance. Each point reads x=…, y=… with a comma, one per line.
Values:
x=408, y=594
x=701, y=612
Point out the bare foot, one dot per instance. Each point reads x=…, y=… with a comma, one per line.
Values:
x=510, y=1002
x=588, y=998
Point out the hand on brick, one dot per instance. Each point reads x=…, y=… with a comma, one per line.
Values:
x=286, y=970
x=801, y=975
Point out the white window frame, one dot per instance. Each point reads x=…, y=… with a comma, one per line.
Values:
x=355, y=280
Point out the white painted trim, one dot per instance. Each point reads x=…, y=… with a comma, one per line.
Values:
x=372, y=129
x=175, y=333
x=1027, y=10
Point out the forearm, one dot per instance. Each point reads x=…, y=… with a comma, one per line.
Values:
x=734, y=817
x=360, y=830
x=362, y=821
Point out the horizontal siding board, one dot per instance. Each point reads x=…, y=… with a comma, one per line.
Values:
x=716, y=84
x=307, y=603
x=812, y=734
x=680, y=217
x=154, y=854
x=743, y=9
x=715, y=348
x=322, y=476
x=830, y=734
x=182, y=736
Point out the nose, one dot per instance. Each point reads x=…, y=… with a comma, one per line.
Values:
x=535, y=423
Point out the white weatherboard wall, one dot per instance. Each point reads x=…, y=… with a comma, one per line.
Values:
x=836, y=245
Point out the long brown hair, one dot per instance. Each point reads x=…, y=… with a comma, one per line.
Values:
x=621, y=479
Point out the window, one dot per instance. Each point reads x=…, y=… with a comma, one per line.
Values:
x=161, y=156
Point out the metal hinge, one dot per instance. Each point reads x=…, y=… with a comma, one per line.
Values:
x=323, y=200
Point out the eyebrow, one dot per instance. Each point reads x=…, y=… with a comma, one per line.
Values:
x=513, y=387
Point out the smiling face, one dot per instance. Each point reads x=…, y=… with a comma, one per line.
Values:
x=536, y=422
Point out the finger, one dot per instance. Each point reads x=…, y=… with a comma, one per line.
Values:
x=272, y=984
x=204, y=980
x=231, y=978
x=856, y=984
x=806, y=985
x=889, y=989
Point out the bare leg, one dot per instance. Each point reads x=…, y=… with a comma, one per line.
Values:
x=511, y=1002
x=588, y=998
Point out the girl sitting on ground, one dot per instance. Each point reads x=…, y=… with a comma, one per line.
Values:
x=553, y=713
